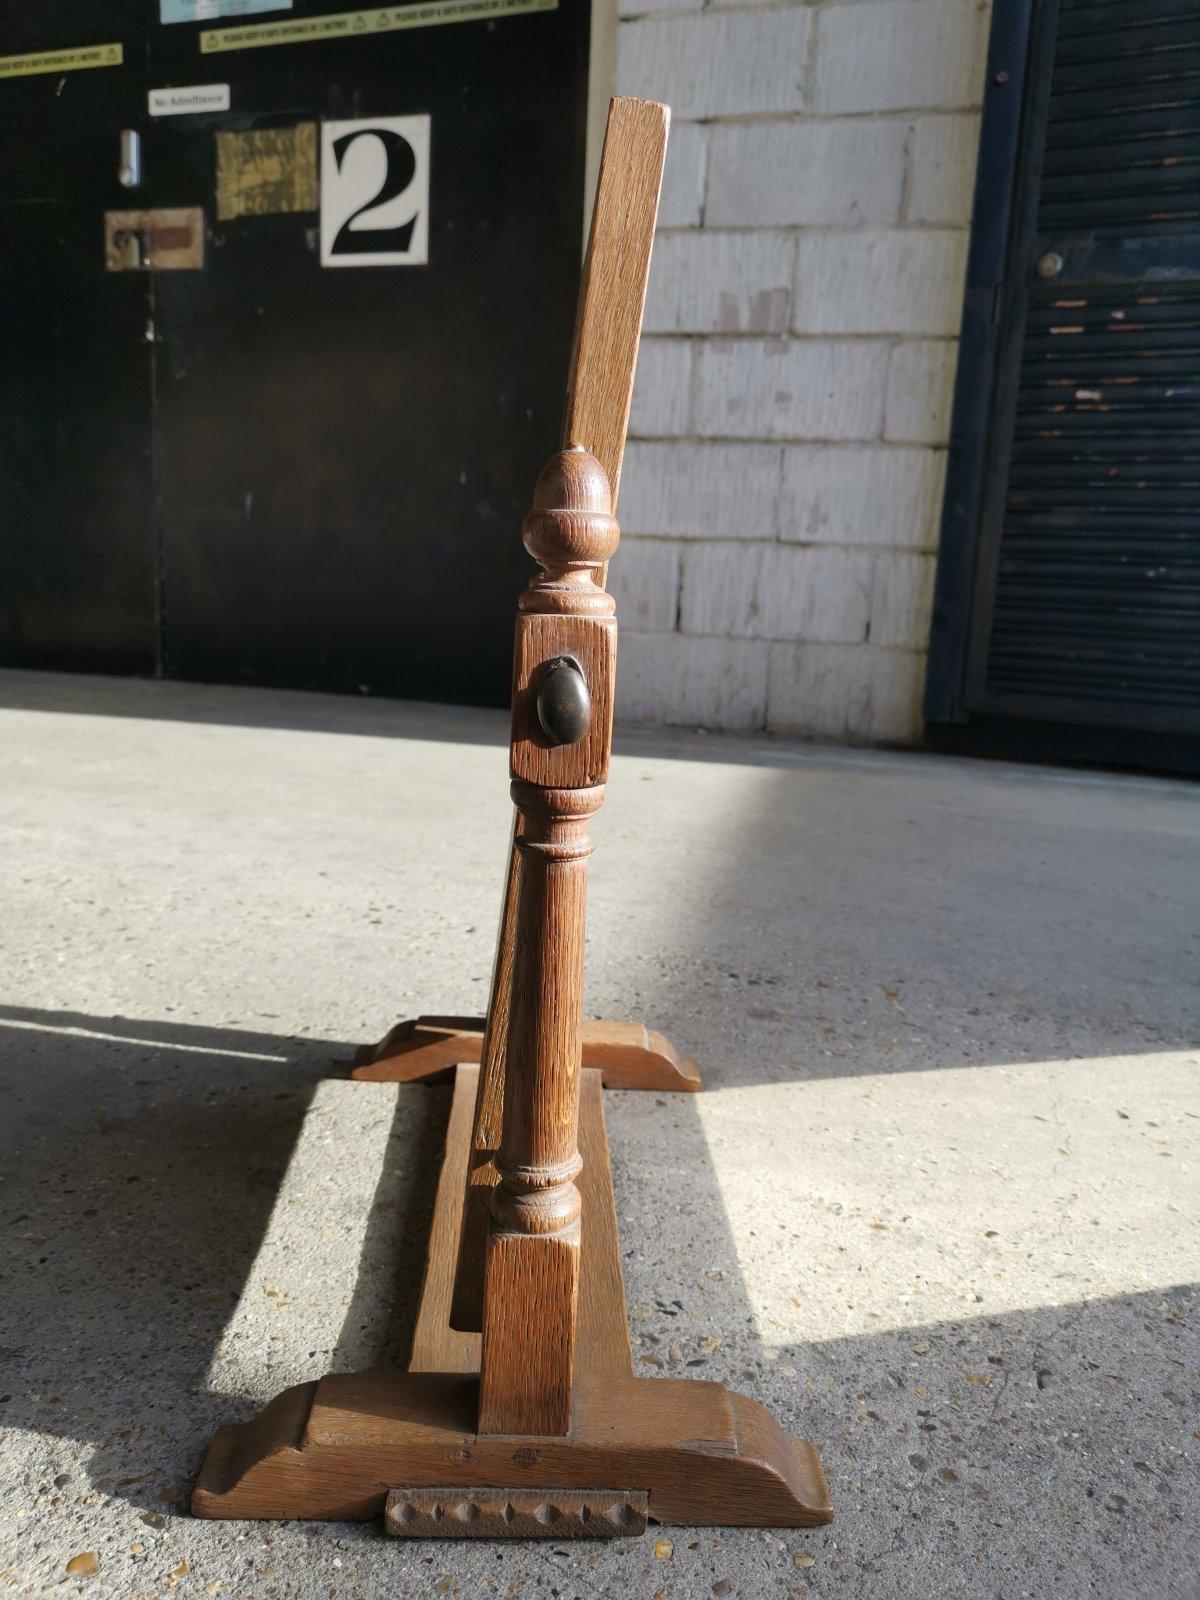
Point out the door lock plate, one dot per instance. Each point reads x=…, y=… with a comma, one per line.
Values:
x=168, y=240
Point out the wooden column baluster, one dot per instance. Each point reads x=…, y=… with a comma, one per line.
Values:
x=563, y=678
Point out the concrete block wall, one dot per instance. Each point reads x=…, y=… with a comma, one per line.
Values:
x=783, y=483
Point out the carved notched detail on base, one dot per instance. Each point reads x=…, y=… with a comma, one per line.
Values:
x=447, y=1512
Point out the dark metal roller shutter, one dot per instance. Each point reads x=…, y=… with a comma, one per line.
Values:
x=1087, y=605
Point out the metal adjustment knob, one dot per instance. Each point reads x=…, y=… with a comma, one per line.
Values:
x=1049, y=265
x=564, y=706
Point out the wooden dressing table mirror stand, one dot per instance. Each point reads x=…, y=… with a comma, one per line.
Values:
x=519, y=1414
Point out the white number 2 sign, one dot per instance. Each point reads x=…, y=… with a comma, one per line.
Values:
x=375, y=192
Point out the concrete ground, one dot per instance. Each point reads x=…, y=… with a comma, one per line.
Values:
x=937, y=1206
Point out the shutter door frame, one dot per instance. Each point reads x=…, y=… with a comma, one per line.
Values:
x=961, y=714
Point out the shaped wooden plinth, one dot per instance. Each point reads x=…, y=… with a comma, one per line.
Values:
x=334, y=1449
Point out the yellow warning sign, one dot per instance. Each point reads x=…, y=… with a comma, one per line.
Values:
x=357, y=24
x=88, y=55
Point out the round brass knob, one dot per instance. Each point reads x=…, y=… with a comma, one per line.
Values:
x=564, y=706
x=1049, y=265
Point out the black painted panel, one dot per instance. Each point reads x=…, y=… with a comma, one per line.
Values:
x=346, y=454
x=323, y=472
x=77, y=560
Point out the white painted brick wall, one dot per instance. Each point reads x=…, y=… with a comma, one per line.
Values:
x=782, y=488
x=861, y=494
x=717, y=64
x=774, y=591
x=706, y=282
x=943, y=169
x=705, y=683
x=701, y=491
x=662, y=396
x=835, y=172
x=899, y=280
x=845, y=691
x=682, y=203
x=645, y=585
x=640, y=8
x=901, y=598
x=790, y=389
x=920, y=385
x=893, y=55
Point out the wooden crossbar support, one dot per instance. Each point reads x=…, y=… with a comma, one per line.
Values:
x=602, y=1339
x=626, y=1054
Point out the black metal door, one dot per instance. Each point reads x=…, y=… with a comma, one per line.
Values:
x=1075, y=474
x=77, y=548
x=341, y=455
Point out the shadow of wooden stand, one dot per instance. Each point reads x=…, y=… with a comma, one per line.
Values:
x=520, y=1414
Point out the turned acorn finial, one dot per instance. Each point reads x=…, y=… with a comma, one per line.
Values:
x=571, y=533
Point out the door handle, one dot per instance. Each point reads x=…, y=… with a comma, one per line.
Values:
x=129, y=167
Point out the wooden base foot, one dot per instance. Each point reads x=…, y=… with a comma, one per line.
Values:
x=629, y=1055
x=703, y=1455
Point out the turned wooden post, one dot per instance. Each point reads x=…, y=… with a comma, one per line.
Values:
x=599, y=394
x=564, y=672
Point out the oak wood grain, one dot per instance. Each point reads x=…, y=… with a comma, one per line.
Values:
x=612, y=294
x=704, y=1456
x=436, y=1345
x=628, y=1054
x=531, y=1264
x=602, y=1338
